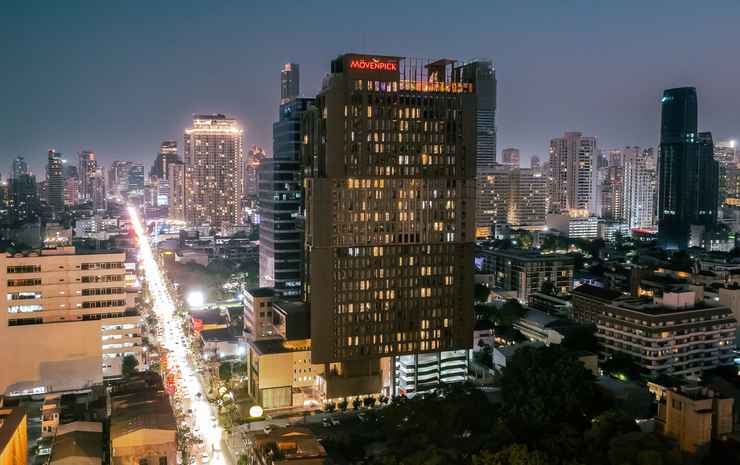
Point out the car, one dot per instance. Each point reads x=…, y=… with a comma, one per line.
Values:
x=204, y=458
x=268, y=429
x=362, y=417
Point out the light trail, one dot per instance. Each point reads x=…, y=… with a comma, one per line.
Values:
x=171, y=339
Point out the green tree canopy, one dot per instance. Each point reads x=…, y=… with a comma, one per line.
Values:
x=546, y=386
x=128, y=366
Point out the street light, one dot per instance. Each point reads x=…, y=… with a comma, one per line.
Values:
x=195, y=299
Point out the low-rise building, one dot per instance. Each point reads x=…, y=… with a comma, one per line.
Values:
x=578, y=225
x=420, y=373
x=79, y=443
x=502, y=354
x=693, y=416
x=550, y=304
x=676, y=334
x=142, y=423
x=527, y=272
x=287, y=446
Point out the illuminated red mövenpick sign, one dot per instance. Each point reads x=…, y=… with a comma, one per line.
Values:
x=374, y=64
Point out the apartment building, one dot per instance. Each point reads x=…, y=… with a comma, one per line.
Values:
x=527, y=272
x=676, y=334
x=67, y=318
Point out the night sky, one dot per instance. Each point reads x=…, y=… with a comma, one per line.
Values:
x=119, y=79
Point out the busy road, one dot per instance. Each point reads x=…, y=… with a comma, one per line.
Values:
x=198, y=414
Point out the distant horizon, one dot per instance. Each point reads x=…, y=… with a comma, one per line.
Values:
x=122, y=78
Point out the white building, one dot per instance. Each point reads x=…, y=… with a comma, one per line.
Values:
x=573, y=160
x=576, y=225
x=640, y=183
x=419, y=373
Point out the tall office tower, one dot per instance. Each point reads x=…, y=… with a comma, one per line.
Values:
x=87, y=167
x=255, y=156
x=23, y=199
x=724, y=154
x=118, y=178
x=176, y=181
x=167, y=154
x=612, y=194
x=55, y=181
x=639, y=188
x=510, y=157
x=493, y=199
x=97, y=189
x=135, y=179
x=389, y=157
x=687, y=172
x=528, y=201
x=281, y=201
x=214, y=171
x=573, y=159
x=290, y=82
x=20, y=167
x=482, y=75
x=71, y=190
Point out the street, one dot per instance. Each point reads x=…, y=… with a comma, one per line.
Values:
x=189, y=389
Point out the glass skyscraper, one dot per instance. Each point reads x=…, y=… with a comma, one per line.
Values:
x=688, y=174
x=280, y=196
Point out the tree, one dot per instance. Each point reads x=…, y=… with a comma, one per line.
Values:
x=481, y=292
x=604, y=428
x=516, y=454
x=543, y=387
x=508, y=313
x=225, y=372
x=639, y=448
x=369, y=401
x=128, y=366
x=356, y=404
x=581, y=338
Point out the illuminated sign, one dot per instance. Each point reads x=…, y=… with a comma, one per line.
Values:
x=374, y=64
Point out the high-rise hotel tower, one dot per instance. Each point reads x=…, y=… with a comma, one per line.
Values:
x=214, y=171
x=389, y=151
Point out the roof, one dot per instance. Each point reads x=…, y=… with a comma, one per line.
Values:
x=596, y=292
x=539, y=318
x=527, y=255
x=295, y=442
x=77, y=444
x=261, y=292
x=296, y=315
x=271, y=346
x=508, y=351
x=140, y=410
x=219, y=335
x=11, y=420
x=209, y=317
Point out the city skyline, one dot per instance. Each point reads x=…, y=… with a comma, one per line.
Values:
x=543, y=89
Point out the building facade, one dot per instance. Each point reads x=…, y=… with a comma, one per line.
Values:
x=687, y=172
x=281, y=204
x=55, y=181
x=572, y=167
x=510, y=157
x=86, y=168
x=527, y=272
x=390, y=177
x=640, y=183
x=675, y=334
x=167, y=154
x=68, y=317
x=214, y=171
